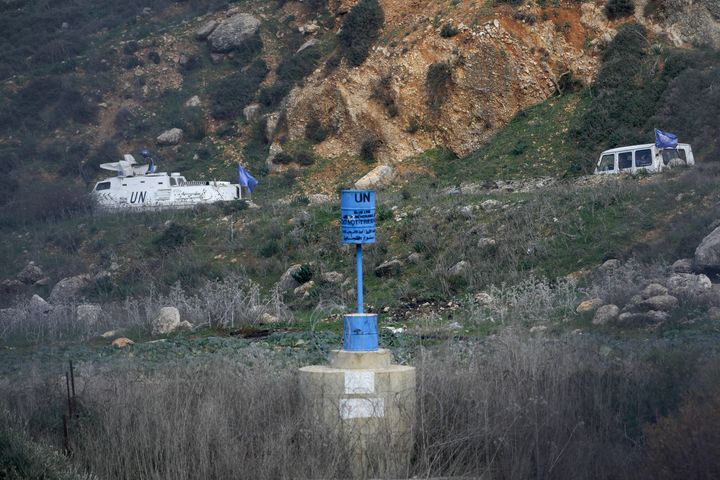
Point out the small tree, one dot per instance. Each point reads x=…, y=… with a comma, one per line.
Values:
x=438, y=78
x=360, y=29
x=619, y=8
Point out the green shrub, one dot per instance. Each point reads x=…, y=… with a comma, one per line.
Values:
x=192, y=122
x=360, y=29
x=283, y=158
x=233, y=93
x=272, y=95
x=619, y=8
x=296, y=66
x=304, y=274
x=304, y=158
x=173, y=237
x=448, y=30
x=384, y=93
x=368, y=147
x=315, y=132
x=439, y=76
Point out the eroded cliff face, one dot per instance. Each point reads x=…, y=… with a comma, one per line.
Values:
x=501, y=61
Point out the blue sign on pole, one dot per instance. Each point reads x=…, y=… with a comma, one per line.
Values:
x=357, y=218
x=357, y=210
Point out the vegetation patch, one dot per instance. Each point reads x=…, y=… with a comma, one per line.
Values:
x=360, y=30
x=437, y=81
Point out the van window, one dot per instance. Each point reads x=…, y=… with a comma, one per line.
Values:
x=102, y=186
x=682, y=154
x=669, y=155
x=643, y=158
x=172, y=182
x=607, y=163
x=625, y=160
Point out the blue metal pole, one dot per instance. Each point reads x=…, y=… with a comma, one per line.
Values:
x=358, y=261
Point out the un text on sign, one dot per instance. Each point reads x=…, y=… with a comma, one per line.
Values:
x=357, y=216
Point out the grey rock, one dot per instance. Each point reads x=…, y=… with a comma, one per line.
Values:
x=304, y=289
x=310, y=43
x=654, y=290
x=713, y=314
x=185, y=325
x=688, y=284
x=170, y=137
x=318, y=199
x=233, y=32
x=490, y=205
x=167, y=321
x=193, y=101
x=414, y=258
x=204, y=32
x=391, y=268
x=68, y=289
x=88, y=314
x=486, y=243
x=378, y=177
x=217, y=58
x=30, y=274
x=287, y=282
x=252, y=112
x=589, y=305
x=707, y=254
x=459, y=269
x=267, y=319
x=606, y=314
x=629, y=319
x=332, y=277
x=611, y=264
x=113, y=333
x=684, y=265
x=661, y=303
x=38, y=306
x=272, y=120
x=483, y=298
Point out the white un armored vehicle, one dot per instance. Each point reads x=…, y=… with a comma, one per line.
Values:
x=649, y=158
x=139, y=187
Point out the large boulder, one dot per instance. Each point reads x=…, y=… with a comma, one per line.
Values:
x=232, y=33
x=38, y=306
x=170, y=137
x=30, y=274
x=204, y=32
x=660, y=303
x=167, y=321
x=684, y=265
x=332, y=277
x=606, y=314
x=459, y=269
x=252, y=112
x=707, y=254
x=287, y=280
x=68, y=289
x=379, y=176
x=88, y=314
x=589, y=305
x=688, y=285
x=654, y=290
x=391, y=268
x=629, y=319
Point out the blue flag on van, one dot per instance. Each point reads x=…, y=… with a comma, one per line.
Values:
x=665, y=139
x=247, y=180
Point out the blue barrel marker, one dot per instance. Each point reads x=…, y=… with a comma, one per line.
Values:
x=357, y=219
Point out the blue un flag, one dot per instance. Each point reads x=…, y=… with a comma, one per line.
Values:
x=665, y=139
x=247, y=180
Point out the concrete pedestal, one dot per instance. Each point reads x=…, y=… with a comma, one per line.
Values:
x=372, y=402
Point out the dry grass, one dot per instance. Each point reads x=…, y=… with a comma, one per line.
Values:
x=512, y=406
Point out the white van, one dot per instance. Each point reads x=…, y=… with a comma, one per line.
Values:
x=647, y=158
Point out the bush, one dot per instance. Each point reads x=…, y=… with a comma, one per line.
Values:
x=384, y=93
x=192, y=122
x=296, y=66
x=315, y=132
x=232, y=94
x=619, y=8
x=368, y=147
x=448, y=30
x=304, y=158
x=283, y=158
x=439, y=76
x=303, y=275
x=272, y=95
x=173, y=237
x=360, y=29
